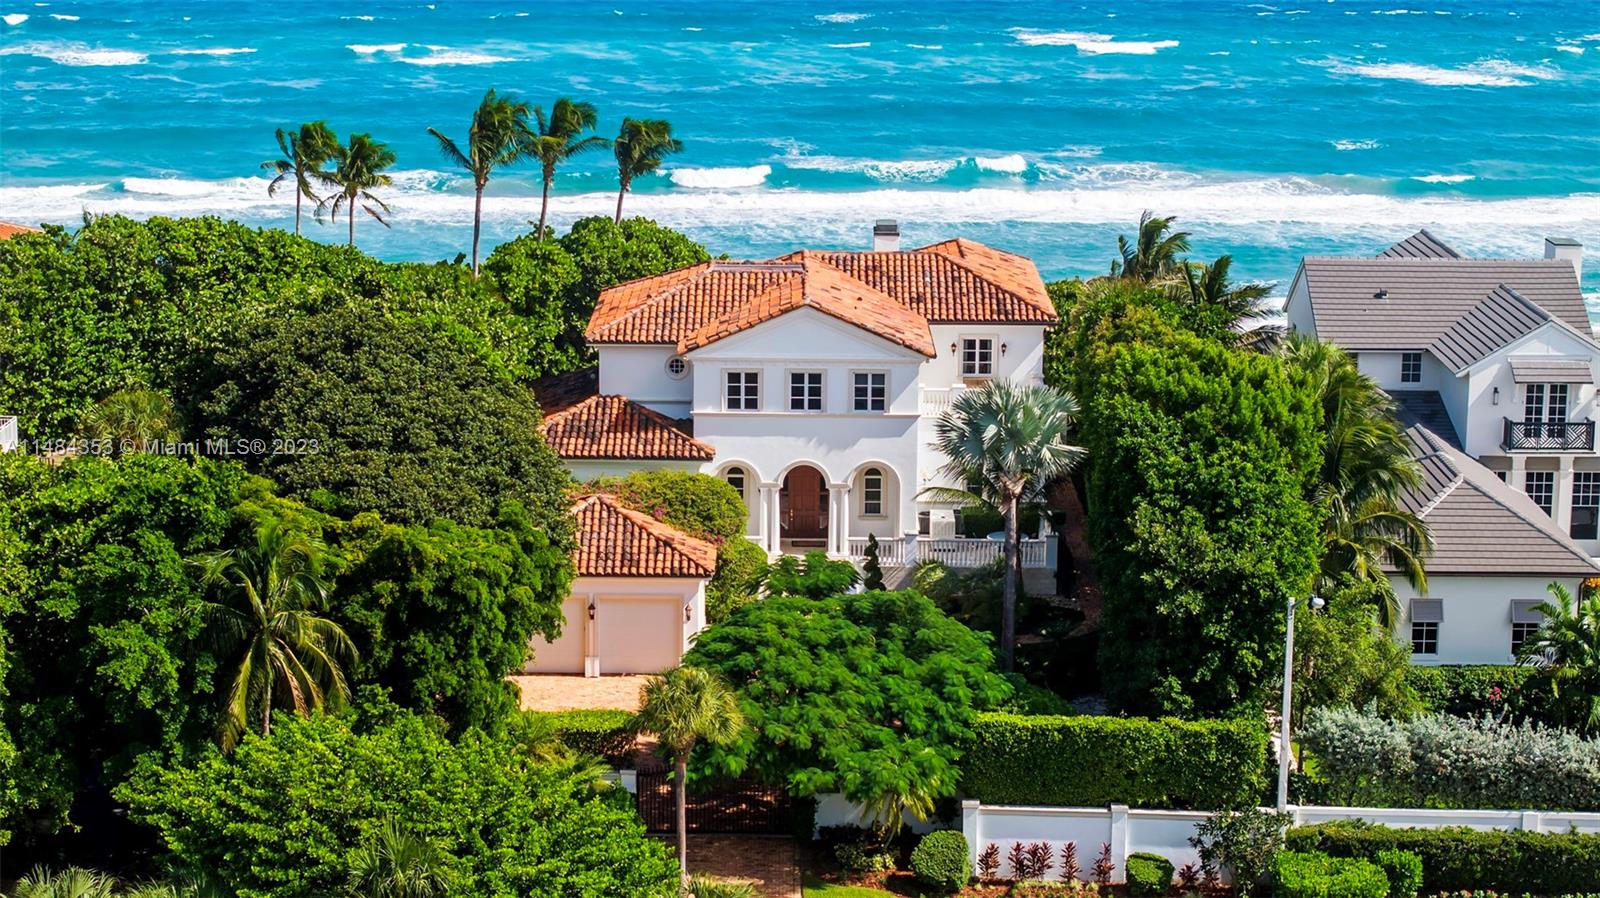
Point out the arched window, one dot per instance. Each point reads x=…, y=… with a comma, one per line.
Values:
x=735, y=477
x=872, y=492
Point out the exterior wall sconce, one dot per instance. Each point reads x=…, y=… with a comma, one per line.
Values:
x=688, y=614
x=1002, y=349
x=591, y=609
x=1494, y=398
x=953, y=348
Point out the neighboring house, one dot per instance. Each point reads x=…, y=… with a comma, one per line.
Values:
x=1493, y=363
x=8, y=433
x=809, y=382
x=638, y=598
x=9, y=230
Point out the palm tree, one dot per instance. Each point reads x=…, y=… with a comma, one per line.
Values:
x=681, y=707
x=359, y=170
x=1366, y=470
x=277, y=649
x=499, y=135
x=398, y=864
x=133, y=418
x=1154, y=252
x=71, y=882
x=559, y=139
x=1208, y=289
x=1012, y=439
x=640, y=147
x=1566, y=647
x=304, y=153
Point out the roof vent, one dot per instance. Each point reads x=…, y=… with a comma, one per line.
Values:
x=886, y=236
x=1381, y=294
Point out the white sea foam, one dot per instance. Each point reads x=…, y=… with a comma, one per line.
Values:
x=877, y=169
x=843, y=18
x=76, y=54
x=1444, y=179
x=1483, y=73
x=369, y=49
x=446, y=56
x=63, y=17
x=926, y=46
x=356, y=18
x=215, y=51
x=1570, y=48
x=1348, y=145
x=184, y=187
x=1012, y=164
x=721, y=178
x=851, y=46
x=14, y=18
x=1088, y=42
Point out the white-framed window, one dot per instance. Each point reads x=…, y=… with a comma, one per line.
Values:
x=1541, y=488
x=977, y=356
x=1525, y=622
x=677, y=367
x=872, y=493
x=805, y=391
x=1411, y=367
x=1533, y=403
x=1585, y=505
x=1555, y=406
x=1426, y=616
x=735, y=477
x=743, y=391
x=869, y=391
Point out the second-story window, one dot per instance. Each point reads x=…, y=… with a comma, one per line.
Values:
x=1533, y=403
x=1411, y=367
x=1585, y=505
x=1541, y=488
x=805, y=391
x=871, y=391
x=1555, y=404
x=744, y=391
x=977, y=357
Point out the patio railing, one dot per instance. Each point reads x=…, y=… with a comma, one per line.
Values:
x=952, y=552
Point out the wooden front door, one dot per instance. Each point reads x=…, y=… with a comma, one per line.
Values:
x=803, y=503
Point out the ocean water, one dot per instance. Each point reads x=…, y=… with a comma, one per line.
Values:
x=1272, y=130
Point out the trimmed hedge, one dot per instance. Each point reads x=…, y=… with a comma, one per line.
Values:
x=941, y=860
x=1096, y=761
x=1300, y=875
x=1148, y=874
x=1404, y=870
x=603, y=734
x=1461, y=859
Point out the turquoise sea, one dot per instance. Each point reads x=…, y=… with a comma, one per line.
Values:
x=1271, y=129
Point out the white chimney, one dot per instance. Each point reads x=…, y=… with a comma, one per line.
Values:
x=1567, y=250
x=886, y=236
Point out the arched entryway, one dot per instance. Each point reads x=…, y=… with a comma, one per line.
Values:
x=803, y=506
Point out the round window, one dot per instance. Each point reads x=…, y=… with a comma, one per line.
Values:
x=677, y=367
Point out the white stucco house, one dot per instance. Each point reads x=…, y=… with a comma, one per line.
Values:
x=810, y=383
x=1493, y=365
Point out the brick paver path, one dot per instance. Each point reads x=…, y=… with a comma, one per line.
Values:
x=557, y=692
x=770, y=863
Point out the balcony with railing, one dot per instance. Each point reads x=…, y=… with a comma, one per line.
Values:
x=1548, y=436
x=955, y=552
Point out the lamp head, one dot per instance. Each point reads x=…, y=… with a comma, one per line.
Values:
x=1318, y=603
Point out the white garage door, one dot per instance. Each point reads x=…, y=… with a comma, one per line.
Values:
x=565, y=655
x=639, y=635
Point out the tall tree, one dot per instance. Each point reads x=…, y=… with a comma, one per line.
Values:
x=360, y=170
x=1154, y=251
x=560, y=138
x=1214, y=303
x=1365, y=470
x=304, y=153
x=1012, y=438
x=682, y=707
x=499, y=135
x=280, y=651
x=640, y=148
x=1566, y=648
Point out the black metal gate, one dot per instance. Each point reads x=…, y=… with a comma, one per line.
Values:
x=737, y=806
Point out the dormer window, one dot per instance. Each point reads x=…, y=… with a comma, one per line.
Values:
x=1411, y=367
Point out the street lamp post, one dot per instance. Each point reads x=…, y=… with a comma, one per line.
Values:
x=1315, y=603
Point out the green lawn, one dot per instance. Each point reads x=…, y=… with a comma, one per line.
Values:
x=816, y=888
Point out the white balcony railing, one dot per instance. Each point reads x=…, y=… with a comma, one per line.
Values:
x=953, y=552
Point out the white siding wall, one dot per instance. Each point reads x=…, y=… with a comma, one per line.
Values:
x=1022, y=361
x=640, y=373
x=1297, y=308
x=1477, y=615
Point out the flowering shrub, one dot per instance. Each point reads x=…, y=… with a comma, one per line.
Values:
x=1452, y=762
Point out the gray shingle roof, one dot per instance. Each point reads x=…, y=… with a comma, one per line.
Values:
x=1421, y=245
x=1503, y=316
x=1425, y=407
x=1550, y=369
x=1424, y=297
x=1480, y=525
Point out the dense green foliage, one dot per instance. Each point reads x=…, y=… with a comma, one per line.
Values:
x=286, y=815
x=1311, y=875
x=1566, y=651
x=1473, y=690
x=104, y=657
x=442, y=612
x=816, y=576
x=890, y=690
x=1148, y=874
x=942, y=860
x=1201, y=459
x=1403, y=870
x=1091, y=761
x=1244, y=842
x=1451, y=762
x=1460, y=858
x=608, y=735
x=1344, y=658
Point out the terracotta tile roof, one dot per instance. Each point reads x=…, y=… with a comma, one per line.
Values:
x=580, y=423
x=9, y=230
x=813, y=284
x=949, y=282
x=616, y=541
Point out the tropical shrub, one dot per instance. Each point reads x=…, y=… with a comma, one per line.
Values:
x=893, y=688
x=816, y=576
x=863, y=858
x=1461, y=858
x=1093, y=760
x=1297, y=875
x=1476, y=690
x=1452, y=762
x=1028, y=699
x=1148, y=874
x=1036, y=889
x=602, y=734
x=1244, y=842
x=711, y=888
x=1403, y=870
x=284, y=814
x=1345, y=658
x=942, y=860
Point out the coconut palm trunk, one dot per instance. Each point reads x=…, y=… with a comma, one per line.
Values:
x=1008, y=599
x=544, y=199
x=620, y=194
x=680, y=793
x=352, y=222
x=297, y=213
x=477, y=225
